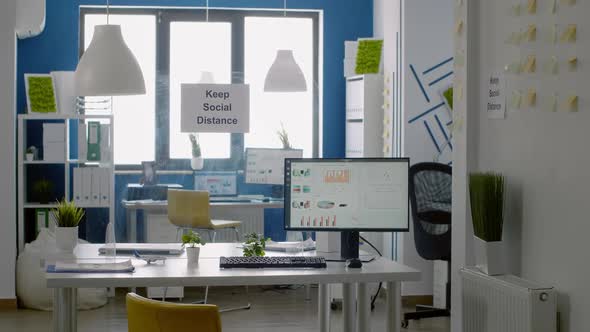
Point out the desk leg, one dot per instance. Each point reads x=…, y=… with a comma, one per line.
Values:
x=394, y=307
x=348, y=307
x=132, y=226
x=363, y=319
x=324, y=307
x=65, y=310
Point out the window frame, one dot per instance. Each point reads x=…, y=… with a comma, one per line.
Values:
x=164, y=18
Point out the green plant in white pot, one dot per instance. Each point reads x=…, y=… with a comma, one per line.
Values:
x=284, y=137
x=486, y=193
x=197, y=161
x=191, y=241
x=67, y=218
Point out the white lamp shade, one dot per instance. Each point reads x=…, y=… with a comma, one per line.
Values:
x=108, y=67
x=284, y=74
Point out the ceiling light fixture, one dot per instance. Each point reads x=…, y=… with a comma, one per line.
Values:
x=284, y=74
x=108, y=67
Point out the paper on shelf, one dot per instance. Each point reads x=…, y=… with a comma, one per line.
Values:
x=532, y=7
x=570, y=34
x=532, y=97
x=573, y=63
x=572, y=103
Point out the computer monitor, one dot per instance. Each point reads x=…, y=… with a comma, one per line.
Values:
x=266, y=166
x=348, y=196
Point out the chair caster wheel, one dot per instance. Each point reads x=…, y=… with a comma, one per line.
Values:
x=405, y=324
x=372, y=307
x=334, y=306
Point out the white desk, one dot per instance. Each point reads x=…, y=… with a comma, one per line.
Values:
x=219, y=210
x=175, y=272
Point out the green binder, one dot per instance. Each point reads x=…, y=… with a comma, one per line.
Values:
x=93, y=141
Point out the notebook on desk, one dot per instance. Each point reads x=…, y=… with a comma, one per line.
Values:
x=144, y=248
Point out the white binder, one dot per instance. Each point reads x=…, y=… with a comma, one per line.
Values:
x=82, y=143
x=86, y=186
x=105, y=146
x=78, y=186
x=105, y=186
x=95, y=189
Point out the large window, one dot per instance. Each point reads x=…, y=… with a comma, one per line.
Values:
x=176, y=46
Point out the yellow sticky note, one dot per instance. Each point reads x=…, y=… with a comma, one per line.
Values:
x=516, y=9
x=552, y=104
x=459, y=26
x=531, y=64
x=516, y=99
x=531, y=33
x=532, y=97
x=531, y=7
x=570, y=34
x=554, y=33
x=569, y=2
x=572, y=63
x=572, y=103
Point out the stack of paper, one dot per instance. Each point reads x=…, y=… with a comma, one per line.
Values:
x=92, y=186
x=103, y=267
x=54, y=138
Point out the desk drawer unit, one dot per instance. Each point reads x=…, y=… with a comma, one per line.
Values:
x=506, y=304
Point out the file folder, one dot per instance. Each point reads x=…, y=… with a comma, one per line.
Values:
x=95, y=185
x=105, y=187
x=86, y=186
x=82, y=144
x=78, y=199
x=93, y=141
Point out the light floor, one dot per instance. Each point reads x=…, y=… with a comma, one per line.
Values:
x=272, y=310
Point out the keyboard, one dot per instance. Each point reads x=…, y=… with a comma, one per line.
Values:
x=287, y=262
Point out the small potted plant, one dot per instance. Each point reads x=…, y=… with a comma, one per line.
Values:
x=486, y=194
x=255, y=245
x=284, y=137
x=43, y=190
x=30, y=154
x=67, y=218
x=197, y=160
x=190, y=240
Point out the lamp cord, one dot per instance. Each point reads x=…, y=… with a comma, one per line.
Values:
x=378, y=288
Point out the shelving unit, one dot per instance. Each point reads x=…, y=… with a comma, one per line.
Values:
x=364, y=116
x=24, y=202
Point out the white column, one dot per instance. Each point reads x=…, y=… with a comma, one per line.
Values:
x=364, y=308
x=324, y=307
x=394, y=307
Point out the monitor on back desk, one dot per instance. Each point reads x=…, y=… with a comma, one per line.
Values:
x=347, y=196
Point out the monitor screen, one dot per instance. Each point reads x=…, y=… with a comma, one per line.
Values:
x=368, y=194
x=266, y=166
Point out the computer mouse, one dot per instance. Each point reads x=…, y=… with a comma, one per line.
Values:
x=354, y=263
x=266, y=200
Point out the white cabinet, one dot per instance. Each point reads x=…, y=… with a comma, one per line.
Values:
x=56, y=136
x=364, y=116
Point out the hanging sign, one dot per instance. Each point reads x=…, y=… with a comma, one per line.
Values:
x=215, y=108
x=496, y=101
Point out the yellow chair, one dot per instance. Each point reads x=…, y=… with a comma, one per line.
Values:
x=145, y=315
x=188, y=209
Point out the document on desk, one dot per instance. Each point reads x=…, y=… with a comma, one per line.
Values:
x=103, y=267
x=294, y=246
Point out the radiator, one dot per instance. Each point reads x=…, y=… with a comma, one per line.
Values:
x=506, y=304
x=160, y=230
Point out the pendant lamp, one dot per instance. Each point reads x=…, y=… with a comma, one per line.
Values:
x=108, y=67
x=284, y=74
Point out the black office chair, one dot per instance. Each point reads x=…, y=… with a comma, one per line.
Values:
x=430, y=197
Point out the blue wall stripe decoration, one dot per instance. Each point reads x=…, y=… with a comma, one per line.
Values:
x=437, y=66
x=417, y=117
x=419, y=83
x=440, y=78
x=442, y=128
x=432, y=136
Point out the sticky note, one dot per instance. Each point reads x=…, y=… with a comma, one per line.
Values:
x=572, y=63
x=531, y=7
x=531, y=33
x=515, y=38
x=516, y=99
x=572, y=103
x=459, y=89
x=531, y=64
x=569, y=2
x=532, y=97
x=569, y=35
x=513, y=68
x=554, y=32
x=460, y=58
x=459, y=26
x=552, y=103
x=554, y=7
x=516, y=9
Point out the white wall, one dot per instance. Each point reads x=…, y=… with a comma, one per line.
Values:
x=7, y=149
x=543, y=154
x=427, y=41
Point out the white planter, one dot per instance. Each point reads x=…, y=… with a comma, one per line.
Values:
x=489, y=256
x=66, y=238
x=30, y=156
x=197, y=163
x=192, y=255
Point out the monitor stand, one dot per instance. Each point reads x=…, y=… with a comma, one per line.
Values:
x=349, y=248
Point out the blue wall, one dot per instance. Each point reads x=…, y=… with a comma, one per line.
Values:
x=57, y=49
